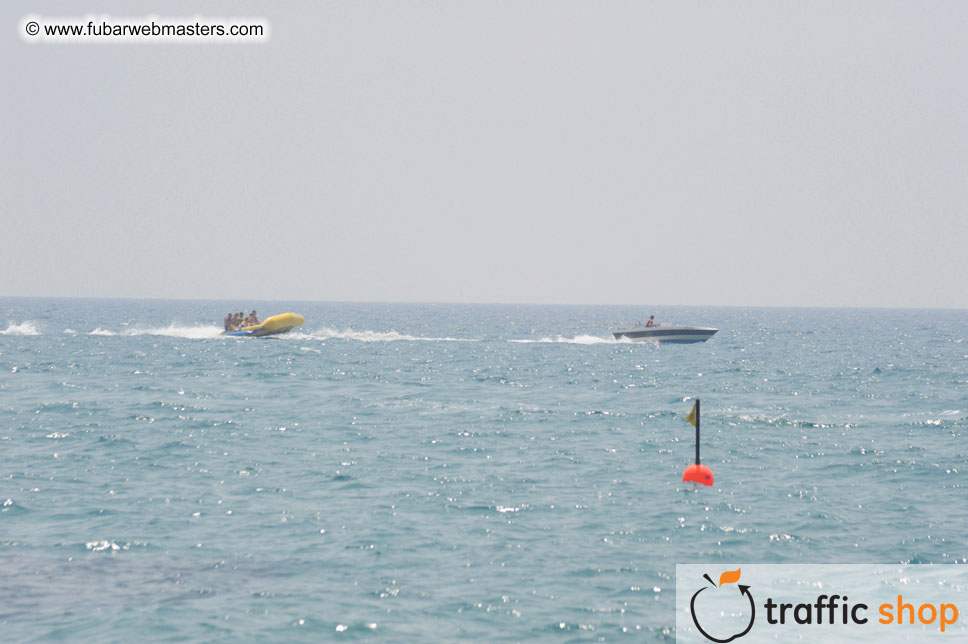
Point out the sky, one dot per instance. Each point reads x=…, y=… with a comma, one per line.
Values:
x=642, y=153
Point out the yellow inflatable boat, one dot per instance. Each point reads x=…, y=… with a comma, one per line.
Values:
x=271, y=326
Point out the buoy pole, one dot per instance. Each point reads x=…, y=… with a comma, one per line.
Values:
x=697, y=431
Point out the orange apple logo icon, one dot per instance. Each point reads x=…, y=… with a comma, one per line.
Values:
x=720, y=596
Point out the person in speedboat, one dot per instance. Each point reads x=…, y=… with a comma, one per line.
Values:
x=651, y=321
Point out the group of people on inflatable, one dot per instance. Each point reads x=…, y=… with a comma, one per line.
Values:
x=236, y=321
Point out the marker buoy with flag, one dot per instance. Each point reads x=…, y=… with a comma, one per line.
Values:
x=697, y=473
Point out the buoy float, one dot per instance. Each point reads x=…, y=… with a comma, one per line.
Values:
x=697, y=473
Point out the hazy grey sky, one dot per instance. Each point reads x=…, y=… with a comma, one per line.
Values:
x=755, y=153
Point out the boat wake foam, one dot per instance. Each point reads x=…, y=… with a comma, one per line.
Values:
x=176, y=331
x=171, y=331
x=367, y=336
x=578, y=339
x=25, y=328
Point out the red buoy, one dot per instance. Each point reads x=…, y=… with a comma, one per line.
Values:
x=698, y=474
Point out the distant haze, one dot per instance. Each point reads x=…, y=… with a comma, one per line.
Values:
x=758, y=153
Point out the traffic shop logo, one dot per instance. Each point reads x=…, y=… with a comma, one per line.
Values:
x=726, y=611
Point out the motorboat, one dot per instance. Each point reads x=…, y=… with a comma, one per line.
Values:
x=270, y=326
x=662, y=333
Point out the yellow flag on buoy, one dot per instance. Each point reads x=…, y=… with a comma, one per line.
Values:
x=692, y=415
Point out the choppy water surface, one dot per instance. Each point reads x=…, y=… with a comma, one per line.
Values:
x=440, y=473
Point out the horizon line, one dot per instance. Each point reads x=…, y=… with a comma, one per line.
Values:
x=497, y=303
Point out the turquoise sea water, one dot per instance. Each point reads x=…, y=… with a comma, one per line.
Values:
x=441, y=473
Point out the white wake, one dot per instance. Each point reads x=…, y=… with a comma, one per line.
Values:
x=328, y=333
x=25, y=328
x=578, y=339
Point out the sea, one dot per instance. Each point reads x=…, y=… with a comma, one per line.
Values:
x=454, y=472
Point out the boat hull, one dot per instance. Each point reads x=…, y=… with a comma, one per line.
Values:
x=667, y=334
x=271, y=326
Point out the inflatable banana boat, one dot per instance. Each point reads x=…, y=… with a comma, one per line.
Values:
x=271, y=326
